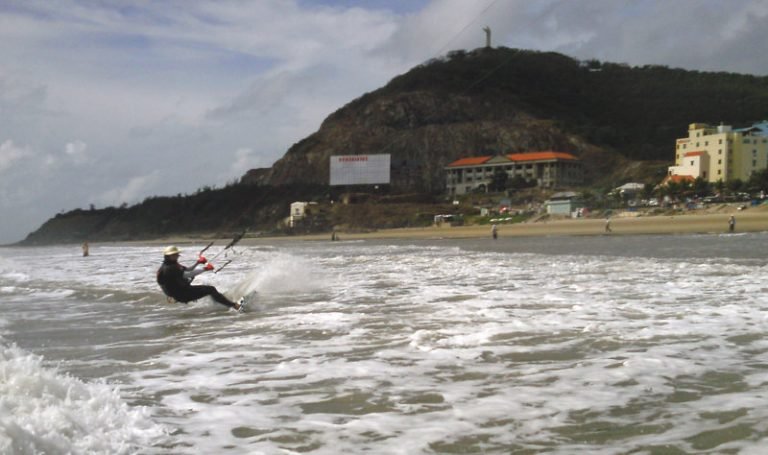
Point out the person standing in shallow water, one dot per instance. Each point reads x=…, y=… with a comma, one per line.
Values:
x=176, y=280
x=732, y=224
x=85, y=249
x=494, y=232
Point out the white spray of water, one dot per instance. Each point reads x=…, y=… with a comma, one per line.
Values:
x=281, y=274
x=43, y=411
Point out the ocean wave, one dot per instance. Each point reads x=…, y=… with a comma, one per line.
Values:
x=45, y=411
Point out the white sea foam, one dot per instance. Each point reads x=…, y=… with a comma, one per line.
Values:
x=45, y=411
x=423, y=348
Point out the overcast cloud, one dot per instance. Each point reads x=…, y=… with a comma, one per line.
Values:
x=107, y=103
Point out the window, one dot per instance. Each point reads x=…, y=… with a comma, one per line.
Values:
x=754, y=163
x=719, y=161
x=720, y=141
x=706, y=143
x=720, y=152
x=719, y=172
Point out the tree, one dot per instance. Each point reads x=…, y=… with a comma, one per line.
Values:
x=758, y=181
x=720, y=186
x=589, y=198
x=519, y=182
x=648, y=190
x=498, y=181
x=673, y=189
x=735, y=185
x=700, y=187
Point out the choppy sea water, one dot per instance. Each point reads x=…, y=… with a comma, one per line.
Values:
x=564, y=345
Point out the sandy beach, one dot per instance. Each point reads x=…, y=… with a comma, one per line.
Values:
x=753, y=219
x=713, y=221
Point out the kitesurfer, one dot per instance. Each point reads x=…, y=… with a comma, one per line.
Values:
x=176, y=280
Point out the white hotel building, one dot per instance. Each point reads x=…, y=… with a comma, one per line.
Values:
x=548, y=169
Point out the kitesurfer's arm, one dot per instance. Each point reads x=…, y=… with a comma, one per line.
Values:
x=191, y=272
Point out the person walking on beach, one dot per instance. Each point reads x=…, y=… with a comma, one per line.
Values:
x=176, y=280
x=494, y=231
x=731, y=223
x=608, y=225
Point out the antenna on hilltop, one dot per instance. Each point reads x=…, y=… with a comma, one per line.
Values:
x=487, y=31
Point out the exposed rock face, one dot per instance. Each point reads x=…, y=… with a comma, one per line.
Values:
x=255, y=176
x=424, y=131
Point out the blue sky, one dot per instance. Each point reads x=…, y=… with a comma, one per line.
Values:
x=107, y=103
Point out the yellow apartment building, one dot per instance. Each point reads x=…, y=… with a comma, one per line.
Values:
x=721, y=152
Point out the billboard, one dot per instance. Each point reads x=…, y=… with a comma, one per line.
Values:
x=360, y=169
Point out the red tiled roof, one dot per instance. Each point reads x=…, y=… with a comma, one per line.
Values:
x=541, y=156
x=472, y=161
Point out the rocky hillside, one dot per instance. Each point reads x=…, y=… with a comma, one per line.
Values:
x=505, y=100
x=424, y=131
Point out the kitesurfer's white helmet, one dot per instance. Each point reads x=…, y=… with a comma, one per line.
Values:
x=171, y=250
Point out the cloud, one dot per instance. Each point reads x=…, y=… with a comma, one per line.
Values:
x=247, y=158
x=10, y=153
x=131, y=190
x=117, y=101
x=76, y=151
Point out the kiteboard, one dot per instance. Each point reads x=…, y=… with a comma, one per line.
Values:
x=245, y=301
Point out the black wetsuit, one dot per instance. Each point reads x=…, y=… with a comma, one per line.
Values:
x=170, y=277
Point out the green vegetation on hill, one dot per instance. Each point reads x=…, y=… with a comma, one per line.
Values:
x=227, y=211
x=213, y=212
x=638, y=111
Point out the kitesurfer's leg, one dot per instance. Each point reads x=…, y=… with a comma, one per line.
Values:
x=202, y=291
x=222, y=299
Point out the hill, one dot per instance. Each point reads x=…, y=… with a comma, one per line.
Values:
x=506, y=100
x=219, y=213
x=621, y=121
